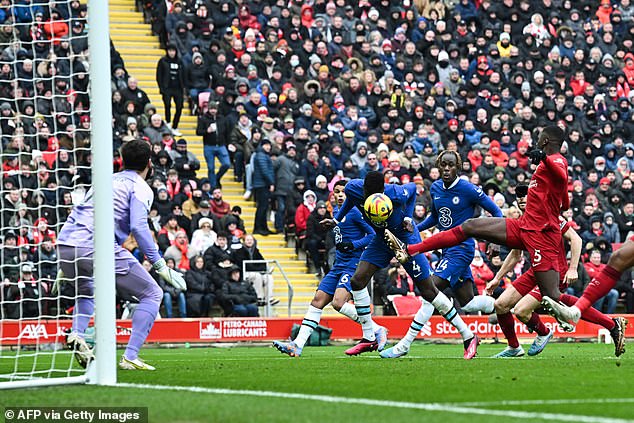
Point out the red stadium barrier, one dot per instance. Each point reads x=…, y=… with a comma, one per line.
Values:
x=255, y=329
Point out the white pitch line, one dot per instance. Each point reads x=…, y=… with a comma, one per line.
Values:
x=546, y=402
x=448, y=408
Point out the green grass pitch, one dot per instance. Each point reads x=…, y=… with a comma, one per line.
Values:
x=568, y=382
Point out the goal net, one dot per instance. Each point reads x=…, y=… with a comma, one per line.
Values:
x=45, y=120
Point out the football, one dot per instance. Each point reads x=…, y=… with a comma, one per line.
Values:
x=378, y=208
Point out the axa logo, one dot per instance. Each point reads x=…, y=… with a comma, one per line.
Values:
x=36, y=331
x=210, y=330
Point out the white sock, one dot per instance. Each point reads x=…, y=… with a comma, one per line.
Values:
x=448, y=311
x=422, y=316
x=310, y=322
x=362, y=304
x=350, y=312
x=482, y=303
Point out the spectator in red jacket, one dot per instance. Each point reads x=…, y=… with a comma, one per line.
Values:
x=219, y=207
x=41, y=231
x=304, y=210
x=481, y=272
x=578, y=83
x=499, y=157
x=520, y=154
x=594, y=266
x=55, y=27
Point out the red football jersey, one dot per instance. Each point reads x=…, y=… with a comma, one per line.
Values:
x=547, y=195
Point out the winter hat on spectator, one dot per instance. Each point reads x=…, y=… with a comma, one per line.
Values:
x=382, y=147
x=320, y=178
x=321, y=204
x=181, y=141
x=262, y=112
x=386, y=43
x=196, y=55
x=604, y=181
x=526, y=86
x=161, y=188
x=314, y=59
x=204, y=220
x=505, y=36
x=323, y=68
x=131, y=120
x=452, y=122
x=204, y=204
x=443, y=56
x=373, y=13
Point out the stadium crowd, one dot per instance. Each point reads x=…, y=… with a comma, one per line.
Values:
x=295, y=95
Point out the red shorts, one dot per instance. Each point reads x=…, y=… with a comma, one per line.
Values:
x=527, y=285
x=543, y=247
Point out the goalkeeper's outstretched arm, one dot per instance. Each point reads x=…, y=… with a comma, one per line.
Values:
x=141, y=231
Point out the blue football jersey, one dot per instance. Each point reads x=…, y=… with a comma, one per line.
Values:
x=454, y=205
x=352, y=228
x=403, y=199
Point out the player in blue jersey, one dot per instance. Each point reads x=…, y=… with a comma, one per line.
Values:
x=454, y=200
x=378, y=255
x=352, y=235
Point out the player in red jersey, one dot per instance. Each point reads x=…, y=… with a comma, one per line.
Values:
x=524, y=297
x=537, y=231
x=621, y=260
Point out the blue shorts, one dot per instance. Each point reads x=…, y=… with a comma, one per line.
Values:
x=379, y=254
x=455, y=265
x=338, y=277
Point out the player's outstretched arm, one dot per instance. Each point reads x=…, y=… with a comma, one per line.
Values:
x=344, y=210
x=170, y=276
x=360, y=244
x=429, y=222
x=509, y=263
x=487, y=204
x=576, y=244
x=141, y=232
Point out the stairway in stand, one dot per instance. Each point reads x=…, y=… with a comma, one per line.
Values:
x=141, y=51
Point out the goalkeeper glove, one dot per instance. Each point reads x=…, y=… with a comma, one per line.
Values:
x=170, y=276
x=537, y=156
x=345, y=247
